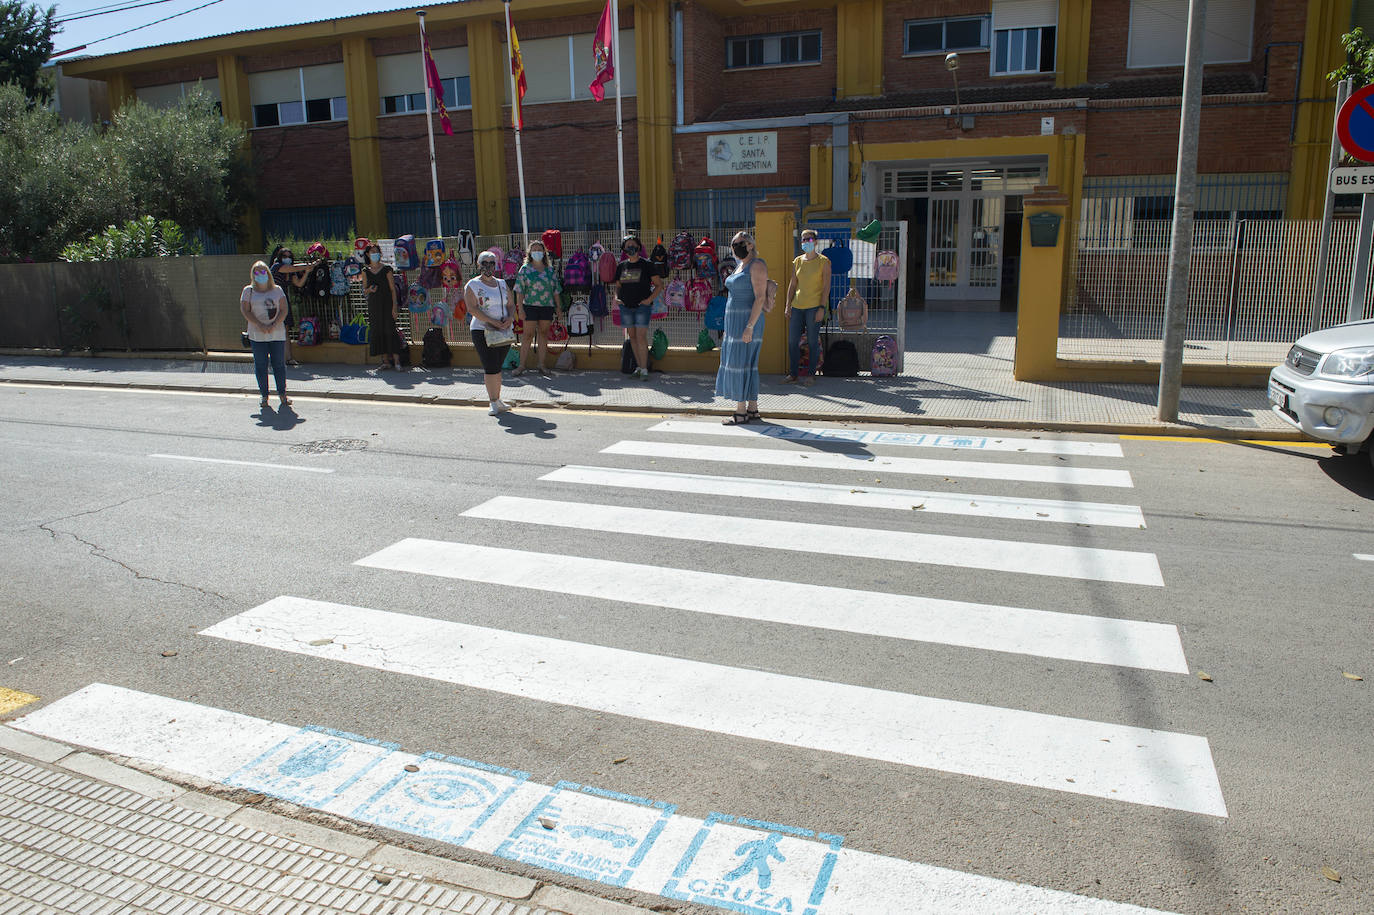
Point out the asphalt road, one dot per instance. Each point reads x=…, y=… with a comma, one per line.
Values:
x=111, y=557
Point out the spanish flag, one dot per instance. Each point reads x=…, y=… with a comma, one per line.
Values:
x=517, y=69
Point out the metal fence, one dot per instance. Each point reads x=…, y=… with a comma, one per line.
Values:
x=720, y=208
x=1249, y=289
x=416, y=217
x=886, y=314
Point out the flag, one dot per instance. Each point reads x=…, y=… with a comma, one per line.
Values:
x=517, y=69
x=603, y=67
x=432, y=80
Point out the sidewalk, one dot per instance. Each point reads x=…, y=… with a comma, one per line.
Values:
x=949, y=392
x=80, y=833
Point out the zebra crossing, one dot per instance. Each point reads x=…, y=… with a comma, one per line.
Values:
x=671, y=854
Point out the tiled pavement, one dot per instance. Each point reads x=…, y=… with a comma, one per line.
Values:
x=125, y=842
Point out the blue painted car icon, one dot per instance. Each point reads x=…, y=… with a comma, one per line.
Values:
x=617, y=836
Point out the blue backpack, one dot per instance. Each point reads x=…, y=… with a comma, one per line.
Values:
x=714, y=319
x=597, y=303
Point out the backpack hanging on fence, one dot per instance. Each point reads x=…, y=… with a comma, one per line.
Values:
x=659, y=309
x=404, y=255
x=558, y=331
x=353, y=266
x=417, y=297
x=680, y=251
x=606, y=267
x=852, y=311
x=434, y=353
x=841, y=360
x=467, y=247
x=676, y=295
x=596, y=303
x=594, y=253
x=553, y=243
x=715, y=314
x=438, y=315
x=511, y=265
x=658, y=348
x=698, y=295
x=318, y=281
x=338, y=278
x=431, y=274
x=309, y=331
x=577, y=271
x=841, y=258
x=659, y=258
x=580, y=323
x=728, y=265
x=882, y=361
x=704, y=260
x=886, y=267
x=398, y=282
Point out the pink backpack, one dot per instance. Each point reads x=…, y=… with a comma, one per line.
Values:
x=698, y=295
x=886, y=267
x=883, y=359
x=578, y=270
x=605, y=267
x=511, y=265
x=676, y=295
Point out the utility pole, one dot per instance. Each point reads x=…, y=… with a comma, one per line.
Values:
x=1185, y=202
x=1343, y=90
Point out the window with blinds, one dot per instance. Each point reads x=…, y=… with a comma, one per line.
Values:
x=401, y=81
x=1023, y=36
x=1159, y=32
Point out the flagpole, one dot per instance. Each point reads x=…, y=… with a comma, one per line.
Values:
x=516, y=106
x=429, y=125
x=619, y=127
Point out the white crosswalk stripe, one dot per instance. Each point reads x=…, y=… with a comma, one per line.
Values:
x=1068, y=636
x=1119, y=762
x=942, y=503
x=834, y=540
x=969, y=442
x=866, y=463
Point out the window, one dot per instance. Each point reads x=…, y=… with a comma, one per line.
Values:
x=784, y=50
x=936, y=35
x=1159, y=32
x=302, y=95
x=1024, y=50
x=457, y=94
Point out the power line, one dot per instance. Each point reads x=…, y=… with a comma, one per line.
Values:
x=154, y=22
x=122, y=7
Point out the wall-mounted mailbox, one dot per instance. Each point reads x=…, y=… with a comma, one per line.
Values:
x=1044, y=229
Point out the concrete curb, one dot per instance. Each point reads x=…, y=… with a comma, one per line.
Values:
x=906, y=419
x=511, y=888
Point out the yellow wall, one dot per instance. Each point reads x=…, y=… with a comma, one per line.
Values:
x=364, y=147
x=858, y=48
x=1075, y=19
x=236, y=105
x=487, y=68
x=654, y=105
x=1322, y=53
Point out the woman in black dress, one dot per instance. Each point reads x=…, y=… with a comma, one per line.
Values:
x=382, y=310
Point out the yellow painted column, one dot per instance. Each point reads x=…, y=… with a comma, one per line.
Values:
x=775, y=223
x=119, y=89
x=1073, y=42
x=654, y=104
x=364, y=147
x=487, y=68
x=858, y=48
x=1041, y=291
x=236, y=104
x=821, y=177
x=1322, y=53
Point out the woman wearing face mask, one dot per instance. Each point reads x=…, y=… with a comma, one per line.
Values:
x=491, y=318
x=637, y=284
x=746, y=291
x=286, y=273
x=263, y=305
x=808, y=296
x=537, y=288
x=382, y=310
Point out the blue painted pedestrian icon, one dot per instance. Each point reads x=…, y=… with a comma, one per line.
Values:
x=757, y=854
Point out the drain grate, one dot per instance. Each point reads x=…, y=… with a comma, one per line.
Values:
x=330, y=446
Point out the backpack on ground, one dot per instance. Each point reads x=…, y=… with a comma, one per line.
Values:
x=698, y=295
x=658, y=347
x=841, y=360
x=434, y=352
x=578, y=270
x=553, y=243
x=704, y=260
x=404, y=254
x=715, y=314
x=338, y=278
x=659, y=258
x=404, y=351
x=882, y=362
x=705, y=342
x=309, y=331
x=852, y=311
x=467, y=247
x=566, y=361
x=628, y=362
x=680, y=251
x=676, y=295
x=886, y=267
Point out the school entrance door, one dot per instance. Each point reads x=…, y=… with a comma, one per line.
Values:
x=968, y=240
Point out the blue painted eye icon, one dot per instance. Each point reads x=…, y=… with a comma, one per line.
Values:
x=450, y=791
x=319, y=757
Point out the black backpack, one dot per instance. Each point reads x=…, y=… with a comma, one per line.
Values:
x=628, y=362
x=435, y=354
x=659, y=258
x=841, y=360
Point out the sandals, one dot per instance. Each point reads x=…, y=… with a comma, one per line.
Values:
x=753, y=417
x=735, y=419
x=285, y=401
x=263, y=403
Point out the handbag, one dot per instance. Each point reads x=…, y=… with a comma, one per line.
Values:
x=247, y=340
x=496, y=337
x=354, y=332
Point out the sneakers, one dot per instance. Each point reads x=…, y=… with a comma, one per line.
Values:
x=642, y=374
x=520, y=370
x=498, y=407
x=810, y=381
x=788, y=379
x=545, y=372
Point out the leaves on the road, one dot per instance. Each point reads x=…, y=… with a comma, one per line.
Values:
x=547, y=822
x=918, y=507
x=169, y=654
x=1203, y=675
x=1349, y=676
x=1330, y=873
x=255, y=799
x=619, y=760
x=316, y=643
x=412, y=768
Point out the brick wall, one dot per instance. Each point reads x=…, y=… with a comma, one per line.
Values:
x=703, y=54
x=898, y=129
x=794, y=162
x=410, y=43
x=922, y=73
x=803, y=81
x=296, y=57
x=1110, y=32
x=405, y=157
x=303, y=166
x=1240, y=138
x=569, y=148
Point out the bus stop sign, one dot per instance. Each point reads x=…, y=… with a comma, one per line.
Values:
x=1355, y=124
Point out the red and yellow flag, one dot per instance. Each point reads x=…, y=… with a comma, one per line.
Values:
x=517, y=69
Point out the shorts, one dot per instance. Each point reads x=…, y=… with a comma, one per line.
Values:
x=538, y=313
x=491, y=357
x=636, y=315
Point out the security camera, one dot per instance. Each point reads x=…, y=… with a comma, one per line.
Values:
x=952, y=61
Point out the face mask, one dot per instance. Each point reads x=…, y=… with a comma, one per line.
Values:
x=631, y=251
x=487, y=268
x=374, y=257
x=741, y=249
x=536, y=256
x=808, y=246
x=286, y=260
x=260, y=277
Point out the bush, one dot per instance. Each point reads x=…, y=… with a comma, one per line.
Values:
x=146, y=237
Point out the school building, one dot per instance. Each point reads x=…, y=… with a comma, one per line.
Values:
x=849, y=107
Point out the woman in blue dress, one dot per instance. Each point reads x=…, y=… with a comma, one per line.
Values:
x=746, y=291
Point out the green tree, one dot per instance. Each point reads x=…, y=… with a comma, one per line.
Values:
x=146, y=237
x=25, y=46
x=1359, y=59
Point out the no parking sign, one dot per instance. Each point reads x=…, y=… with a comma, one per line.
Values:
x=1355, y=124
